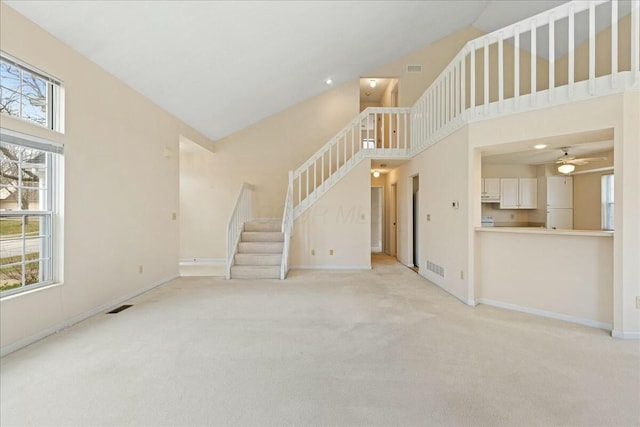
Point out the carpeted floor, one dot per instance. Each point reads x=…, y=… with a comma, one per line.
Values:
x=336, y=348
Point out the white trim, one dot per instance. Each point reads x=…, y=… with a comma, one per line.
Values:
x=631, y=335
x=329, y=267
x=79, y=318
x=544, y=313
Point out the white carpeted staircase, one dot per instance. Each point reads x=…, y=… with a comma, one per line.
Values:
x=259, y=252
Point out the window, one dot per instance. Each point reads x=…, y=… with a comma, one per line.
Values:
x=29, y=183
x=29, y=94
x=607, y=202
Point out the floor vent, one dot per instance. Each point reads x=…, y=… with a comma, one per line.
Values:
x=119, y=309
x=437, y=269
x=414, y=68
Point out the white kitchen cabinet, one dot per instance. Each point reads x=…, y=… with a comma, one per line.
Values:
x=490, y=190
x=518, y=193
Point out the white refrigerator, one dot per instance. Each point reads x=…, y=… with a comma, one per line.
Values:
x=560, y=202
x=560, y=218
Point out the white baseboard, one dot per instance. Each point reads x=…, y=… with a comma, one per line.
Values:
x=549, y=314
x=79, y=318
x=631, y=335
x=203, y=261
x=329, y=267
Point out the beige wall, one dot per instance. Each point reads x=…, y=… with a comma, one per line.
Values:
x=587, y=193
x=443, y=178
x=340, y=221
x=576, y=281
x=120, y=188
x=617, y=112
x=262, y=155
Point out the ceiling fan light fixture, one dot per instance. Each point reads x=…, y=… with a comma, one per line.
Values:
x=566, y=168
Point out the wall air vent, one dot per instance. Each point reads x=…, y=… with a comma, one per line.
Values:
x=119, y=309
x=414, y=68
x=435, y=268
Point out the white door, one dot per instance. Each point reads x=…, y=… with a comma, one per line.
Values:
x=560, y=219
x=560, y=192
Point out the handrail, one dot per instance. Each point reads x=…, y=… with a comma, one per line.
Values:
x=487, y=78
x=287, y=227
x=242, y=212
x=376, y=131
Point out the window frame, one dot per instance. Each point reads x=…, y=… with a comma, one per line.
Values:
x=54, y=95
x=607, y=190
x=50, y=230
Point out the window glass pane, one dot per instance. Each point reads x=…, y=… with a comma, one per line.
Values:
x=33, y=87
x=10, y=277
x=34, y=110
x=23, y=178
x=9, y=102
x=9, y=76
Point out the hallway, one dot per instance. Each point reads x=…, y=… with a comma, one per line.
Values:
x=379, y=347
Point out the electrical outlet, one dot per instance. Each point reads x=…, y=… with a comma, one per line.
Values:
x=513, y=216
x=638, y=302
x=428, y=217
x=461, y=274
x=313, y=252
x=174, y=216
x=330, y=251
x=140, y=269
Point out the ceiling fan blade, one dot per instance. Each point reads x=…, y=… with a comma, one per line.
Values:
x=578, y=162
x=589, y=159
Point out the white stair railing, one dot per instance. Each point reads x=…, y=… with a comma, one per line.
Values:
x=488, y=78
x=287, y=228
x=376, y=132
x=242, y=212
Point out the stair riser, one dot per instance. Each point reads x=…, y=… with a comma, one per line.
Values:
x=263, y=226
x=260, y=247
x=245, y=272
x=253, y=259
x=262, y=236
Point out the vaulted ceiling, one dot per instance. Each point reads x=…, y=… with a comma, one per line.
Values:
x=223, y=65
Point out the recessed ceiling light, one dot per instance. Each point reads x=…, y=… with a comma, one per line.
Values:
x=540, y=146
x=329, y=81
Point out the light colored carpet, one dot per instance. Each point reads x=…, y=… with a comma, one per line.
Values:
x=383, y=347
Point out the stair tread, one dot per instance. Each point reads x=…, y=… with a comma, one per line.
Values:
x=262, y=236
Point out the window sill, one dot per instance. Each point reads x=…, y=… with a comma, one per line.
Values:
x=19, y=292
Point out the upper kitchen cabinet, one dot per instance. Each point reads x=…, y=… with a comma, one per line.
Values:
x=490, y=190
x=518, y=193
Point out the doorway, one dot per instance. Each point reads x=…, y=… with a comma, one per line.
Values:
x=393, y=220
x=415, y=215
x=376, y=219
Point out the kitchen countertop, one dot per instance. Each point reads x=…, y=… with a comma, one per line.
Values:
x=541, y=230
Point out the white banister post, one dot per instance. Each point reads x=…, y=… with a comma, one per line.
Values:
x=472, y=80
x=500, y=72
x=404, y=134
x=486, y=76
x=463, y=83
x=375, y=130
x=315, y=175
x=635, y=41
x=516, y=67
x=614, y=44
x=533, y=62
x=552, y=56
x=592, y=47
x=571, y=72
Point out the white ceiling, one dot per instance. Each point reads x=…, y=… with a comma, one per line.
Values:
x=584, y=144
x=223, y=65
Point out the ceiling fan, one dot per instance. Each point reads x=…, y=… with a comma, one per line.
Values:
x=568, y=163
